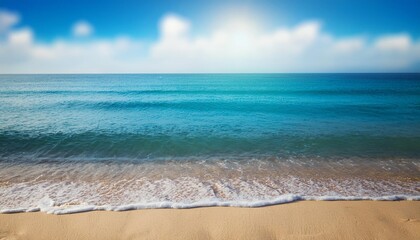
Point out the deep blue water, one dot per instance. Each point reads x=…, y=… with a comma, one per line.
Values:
x=184, y=116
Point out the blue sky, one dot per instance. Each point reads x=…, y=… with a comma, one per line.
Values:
x=52, y=18
x=388, y=30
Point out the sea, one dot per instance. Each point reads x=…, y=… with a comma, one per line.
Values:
x=74, y=142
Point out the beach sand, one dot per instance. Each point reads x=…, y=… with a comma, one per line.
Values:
x=298, y=220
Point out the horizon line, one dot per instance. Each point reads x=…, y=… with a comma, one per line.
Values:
x=202, y=73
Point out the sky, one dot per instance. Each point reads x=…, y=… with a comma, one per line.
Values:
x=53, y=36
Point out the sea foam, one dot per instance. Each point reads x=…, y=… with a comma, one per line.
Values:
x=47, y=205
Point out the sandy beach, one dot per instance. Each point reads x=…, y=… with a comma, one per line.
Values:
x=221, y=120
x=298, y=220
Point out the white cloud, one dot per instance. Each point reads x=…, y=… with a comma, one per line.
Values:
x=173, y=26
x=21, y=37
x=302, y=48
x=399, y=42
x=233, y=47
x=350, y=45
x=82, y=29
x=7, y=20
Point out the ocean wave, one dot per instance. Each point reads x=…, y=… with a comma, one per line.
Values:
x=196, y=144
x=71, y=143
x=63, y=188
x=215, y=92
x=47, y=205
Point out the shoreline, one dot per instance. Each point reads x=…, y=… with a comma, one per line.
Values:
x=49, y=207
x=296, y=220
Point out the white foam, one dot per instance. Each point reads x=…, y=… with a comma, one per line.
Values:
x=71, y=188
x=51, y=209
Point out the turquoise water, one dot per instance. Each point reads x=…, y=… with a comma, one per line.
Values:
x=164, y=116
x=364, y=126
